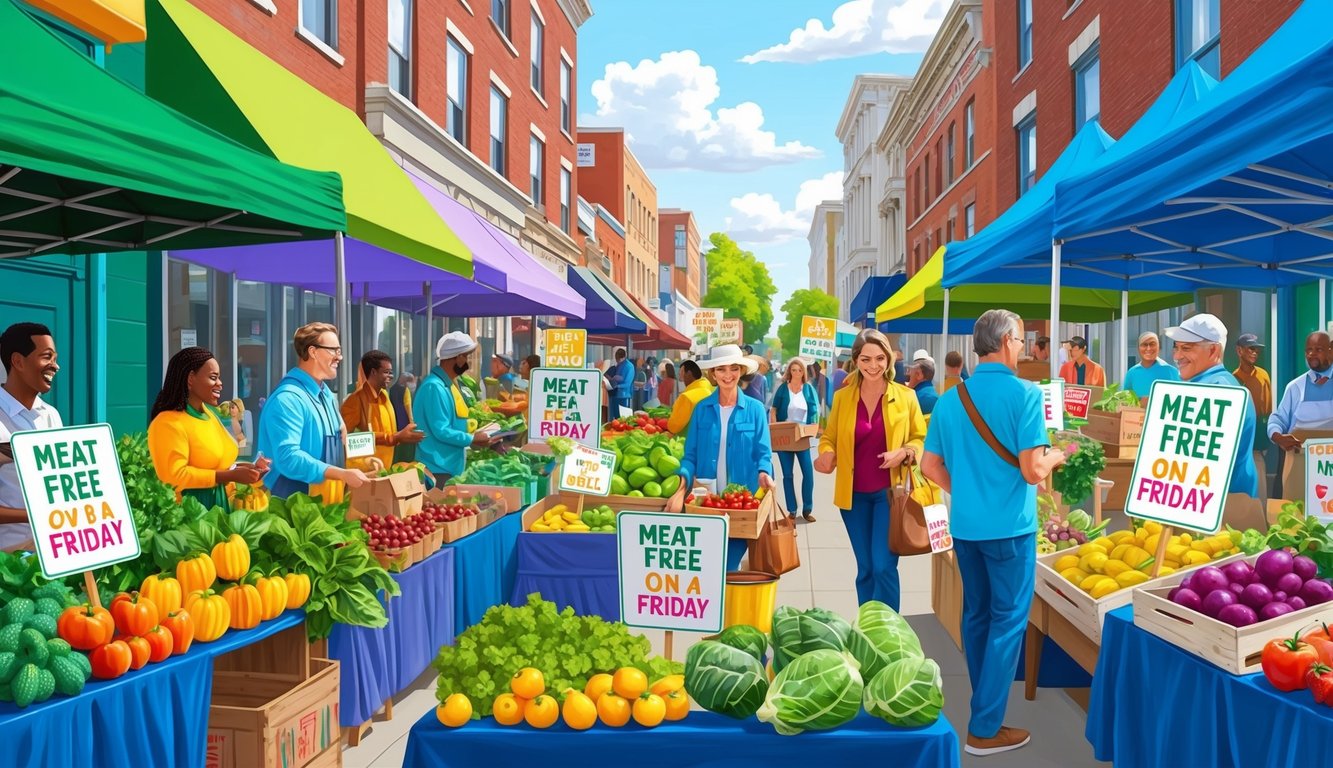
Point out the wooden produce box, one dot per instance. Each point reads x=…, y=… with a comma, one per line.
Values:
x=1119, y=432
x=457, y=529
x=742, y=523
x=1235, y=649
x=1080, y=608
x=1034, y=370
x=788, y=436
x=571, y=500
x=267, y=720
x=394, y=560
x=946, y=594
x=512, y=497
x=1119, y=471
x=398, y=495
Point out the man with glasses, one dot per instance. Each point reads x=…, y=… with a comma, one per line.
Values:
x=370, y=409
x=300, y=428
x=1306, y=406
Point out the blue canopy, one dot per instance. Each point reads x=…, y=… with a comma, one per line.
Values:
x=1237, y=196
x=605, y=314
x=958, y=326
x=874, y=291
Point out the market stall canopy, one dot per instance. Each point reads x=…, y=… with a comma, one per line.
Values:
x=88, y=164
x=1016, y=248
x=922, y=297
x=199, y=67
x=1238, y=196
x=605, y=314
x=874, y=291
x=846, y=335
x=658, y=336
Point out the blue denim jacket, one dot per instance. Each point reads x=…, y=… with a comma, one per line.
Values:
x=748, y=449
x=782, y=396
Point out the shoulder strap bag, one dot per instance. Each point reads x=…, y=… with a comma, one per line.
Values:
x=983, y=428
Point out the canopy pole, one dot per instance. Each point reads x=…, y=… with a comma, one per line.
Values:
x=1055, y=309
x=1323, y=305
x=533, y=330
x=1123, y=366
x=340, y=301
x=944, y=331
x=1272, y=341
x=430, y=327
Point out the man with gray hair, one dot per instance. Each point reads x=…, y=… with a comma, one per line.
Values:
x=921, y=377
x=1151, y=368
x=987, y=446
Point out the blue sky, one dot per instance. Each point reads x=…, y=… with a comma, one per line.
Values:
x=732, y=105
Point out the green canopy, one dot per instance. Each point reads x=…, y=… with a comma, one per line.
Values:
x=199, y=67
x=88, y=164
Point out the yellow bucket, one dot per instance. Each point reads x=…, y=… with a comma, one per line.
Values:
x=751, y=598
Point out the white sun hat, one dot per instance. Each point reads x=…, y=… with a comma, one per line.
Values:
x=727, y=354
x=453, y=344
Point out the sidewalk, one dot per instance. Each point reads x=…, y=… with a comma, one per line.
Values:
x=827, y=579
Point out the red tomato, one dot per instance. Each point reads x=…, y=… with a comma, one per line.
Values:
x=1287, y=661
x=1320, y=680
x=110, y=660
x=160, y=643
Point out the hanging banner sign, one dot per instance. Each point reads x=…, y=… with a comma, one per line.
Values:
x=566, y=348
x=1319, y=478
x=672, y=570
x=1077, y=401
x=707, y=326
x=588, y=471
x=1186, y=455
x=731, y=331
x=818, y=335
x=1053, y=392
x=566, y=403
x=75, y=497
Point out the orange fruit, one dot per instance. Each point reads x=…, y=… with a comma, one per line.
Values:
x=527, y=683
x=597, y=685
x=649, y=710
x=629, y=682
x=541, y=712
x=508, y=709
x=579, y=711
x=455, y=711
x=613, y=709
x=677, y=705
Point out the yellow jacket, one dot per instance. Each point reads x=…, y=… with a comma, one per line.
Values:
x=904, y=426
x=367, y=411
x=189, y=451
x=683, y=409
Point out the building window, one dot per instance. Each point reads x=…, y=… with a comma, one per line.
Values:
x=499, y=133
x=928, y=198
x=948, y=230
x=500, y=15
x=970, y=134
x=949, y=154
x=400, y=46
x=682, y=256
x=538, y=45
x=1087, y=88
x=456, y=118
x=566, y=106
x=970, y=220
x=917, y=191
x=320, y=18
x=1024, y=33
x=536, y=171
x=939, y=166
x=1199, y=34
x=1027, y=153
x=566, y=192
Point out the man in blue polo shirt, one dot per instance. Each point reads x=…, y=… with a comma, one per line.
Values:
x=993, y=515
x=1198, y=354
x=1151, y=368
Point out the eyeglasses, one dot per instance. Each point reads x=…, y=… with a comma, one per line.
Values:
x=337, y=351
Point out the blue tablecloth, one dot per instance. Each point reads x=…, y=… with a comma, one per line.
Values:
x=702, y=740
x=378, y=663
x=569, y=569
x=1154, y=704
x=157, y=715
x=1058, y=669
x=484, y=565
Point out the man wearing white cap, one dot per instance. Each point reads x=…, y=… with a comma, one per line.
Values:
x=1198, y=355
x=441, y=413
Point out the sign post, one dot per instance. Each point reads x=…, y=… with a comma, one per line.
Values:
x=75, y=497
x=1319, y=478
x=818, y=337
x=672, y=571
x=566, y=403
x=731, y=331
x=586, y=471
x=566, y=348
x=1183, y=468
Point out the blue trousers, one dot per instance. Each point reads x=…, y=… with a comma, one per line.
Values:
x=788, y=459
x=876, y=566
x=998, y=579
x=735, y=551
x=618, y=402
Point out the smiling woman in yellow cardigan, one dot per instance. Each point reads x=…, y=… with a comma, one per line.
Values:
x=875, y=426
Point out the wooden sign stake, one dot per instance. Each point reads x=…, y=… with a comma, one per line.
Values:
x=90, y=584
x=669, y=641
x=1163, y=538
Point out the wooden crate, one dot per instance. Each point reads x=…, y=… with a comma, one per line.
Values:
x=788, y=436
x=1122, y=429
x=1119, y=471
x=512, y=497
x=263, y=720
x=1077, y=606
x=742, y=523
x=946, y=594
x=283, y=656
x=571, y=500
x=1235, y=649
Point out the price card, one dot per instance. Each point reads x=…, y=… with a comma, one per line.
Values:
x=1052, y=402
x=360, y=444
x=588, y=471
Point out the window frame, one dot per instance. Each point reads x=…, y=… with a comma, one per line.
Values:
x=950, y=156
x=1026, y=154
x=566, y=97
x=970, y=132
x=1209, y=52
x=1024, y=8
x=969, y=220
x=1087, y=62
x=537, y=56
x=331, y=6
x=458, y=121
x=566, y=197
x=404, y=67
x=537, y=176
x=504, y=9
x=500, y=163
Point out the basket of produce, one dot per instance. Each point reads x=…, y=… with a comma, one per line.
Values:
x=454, y=520
x=746, y=513
x=388, y=533
x=560, y=517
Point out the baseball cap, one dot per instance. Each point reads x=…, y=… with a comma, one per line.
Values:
x=506, y=359
x=1249, y=340
x=1200, y=327
x=1076, y=341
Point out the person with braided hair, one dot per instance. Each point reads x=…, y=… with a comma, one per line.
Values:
x=192, y=451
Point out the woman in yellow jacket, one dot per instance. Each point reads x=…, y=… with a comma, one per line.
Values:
x=875, y=426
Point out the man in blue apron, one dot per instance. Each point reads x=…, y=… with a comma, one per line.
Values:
x=301, y=429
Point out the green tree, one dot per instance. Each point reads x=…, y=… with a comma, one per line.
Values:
x=739, y=285
x=804, y=301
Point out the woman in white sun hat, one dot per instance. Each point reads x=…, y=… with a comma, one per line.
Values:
x=739, y=453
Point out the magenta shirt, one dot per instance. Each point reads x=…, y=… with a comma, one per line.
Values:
x=867, y=477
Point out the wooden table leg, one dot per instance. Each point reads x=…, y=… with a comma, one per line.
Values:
x=388, y=708
x=1032, y=661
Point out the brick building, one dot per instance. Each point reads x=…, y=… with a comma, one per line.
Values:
x=616, y=181
x=678, y=248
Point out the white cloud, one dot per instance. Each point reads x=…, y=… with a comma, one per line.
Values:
x=861, y=28
x=760, y=218
x=666, y=108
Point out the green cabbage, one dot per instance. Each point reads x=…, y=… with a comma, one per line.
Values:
x=724, y=679
x=818, y=690
x=746, y=638
x=907, y=693
x=879, y=636
x=796, y=633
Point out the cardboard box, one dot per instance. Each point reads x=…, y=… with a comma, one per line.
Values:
x=398, y=495
x=263, y=720
x=1123, y=429
x=788, y=436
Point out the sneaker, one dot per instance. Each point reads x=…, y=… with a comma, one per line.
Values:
x=1005, y=740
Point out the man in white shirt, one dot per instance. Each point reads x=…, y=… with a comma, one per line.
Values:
x=29, y=355
x=1307, y=405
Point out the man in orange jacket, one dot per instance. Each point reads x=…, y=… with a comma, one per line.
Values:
x=1080, y=369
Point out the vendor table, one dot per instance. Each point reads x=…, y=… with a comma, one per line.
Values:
x=569, y=570
x=378, y=663
x=157, y=715
x=1045, y=623
x=702, y=740
x=484, y=567
x=1154, y=704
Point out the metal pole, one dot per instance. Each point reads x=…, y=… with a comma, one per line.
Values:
x=1123, y=367
x=944, y=330
x=430, y=327
x=340, y=304
x=1055, y=309
x=1323, y=304
x=1272, y=334
x=533, y=330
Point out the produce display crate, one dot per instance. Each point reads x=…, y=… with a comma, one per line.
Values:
x=1235, y=649
x=1034, y=370
x=394, y=560
x=571, y=500
x=946, y=594
x=512, y=496
x=635, y=503
x=1119, y=431
x=742, y=523
x=1081, y=609
x=398, y=495
x=265, y=720
x=457, y=529
x=788, y=436
x=283, y=656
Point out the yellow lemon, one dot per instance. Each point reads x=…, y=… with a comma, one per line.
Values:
x=455, y=711
x=1065, y=563
x=579, y=711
